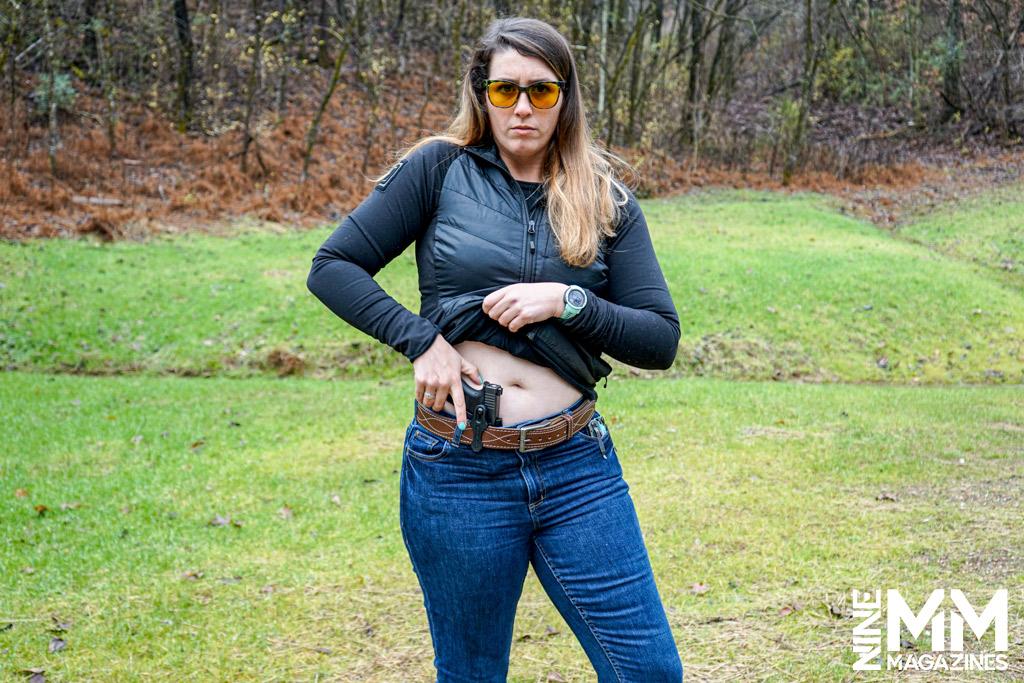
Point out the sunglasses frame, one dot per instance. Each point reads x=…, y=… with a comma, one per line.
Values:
x=522, y=89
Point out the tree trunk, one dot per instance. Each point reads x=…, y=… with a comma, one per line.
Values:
x=51, y=88
x=253, y=85
x=952, y=103
x=806, y=91
x=323, y=57
x=183, y=28
x=287, y=65
x=720, y=75
x=314, y=125
x=109, y=88
x=693, y=90
x=89, y=37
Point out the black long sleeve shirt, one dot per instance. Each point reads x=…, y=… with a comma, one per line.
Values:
x=632, y=318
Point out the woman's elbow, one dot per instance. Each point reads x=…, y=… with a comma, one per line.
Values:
x=315, y=279
x=668, y=348
x=312, y=282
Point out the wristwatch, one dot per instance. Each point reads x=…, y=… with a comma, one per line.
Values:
x=575, y=298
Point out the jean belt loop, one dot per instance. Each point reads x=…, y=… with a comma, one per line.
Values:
x=456, y=436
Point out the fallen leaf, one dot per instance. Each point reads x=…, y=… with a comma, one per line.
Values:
x=885, y=496
x=28, y=570
x=136, y=439
x=59, y=625
x=192, y=576
x=555, y=676
x=70, y=506
x=268, y=589
x=20, y=493
x=37, y=675
x=56, y=645
x=40, y=509
x=197, y=444
x=324, y=650
x=699, y=588
x=551, y=632
x=221, y=520
x=285, y=512
x=789, y=609
x=336, y=499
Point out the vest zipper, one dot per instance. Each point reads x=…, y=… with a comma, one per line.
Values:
x=532, y=247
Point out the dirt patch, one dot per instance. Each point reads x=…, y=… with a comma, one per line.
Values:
x=1006, y=426
x=734, y=354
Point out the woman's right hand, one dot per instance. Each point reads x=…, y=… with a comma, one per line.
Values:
x=438, y=372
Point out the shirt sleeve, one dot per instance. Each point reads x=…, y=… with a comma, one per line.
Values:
x=394, y=214
x=636, y=322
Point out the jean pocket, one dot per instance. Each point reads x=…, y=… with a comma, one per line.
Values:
x=596, y=432
x=424, y=445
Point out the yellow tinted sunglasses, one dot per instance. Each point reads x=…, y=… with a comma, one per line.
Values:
x=542, y=94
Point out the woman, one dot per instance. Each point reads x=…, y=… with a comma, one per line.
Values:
x=533, y=260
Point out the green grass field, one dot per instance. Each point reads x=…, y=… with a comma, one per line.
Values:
x=237, y=526
x=767, y=288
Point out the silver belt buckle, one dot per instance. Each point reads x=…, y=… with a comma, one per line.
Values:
x=523, y=432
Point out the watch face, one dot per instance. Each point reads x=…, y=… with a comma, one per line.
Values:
x=576, y=298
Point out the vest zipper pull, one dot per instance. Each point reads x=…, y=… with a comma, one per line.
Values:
x=533, y=246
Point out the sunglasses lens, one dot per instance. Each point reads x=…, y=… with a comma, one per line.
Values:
x=543, y=95
x=502, y=94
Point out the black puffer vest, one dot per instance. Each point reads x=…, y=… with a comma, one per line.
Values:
x=482, y=238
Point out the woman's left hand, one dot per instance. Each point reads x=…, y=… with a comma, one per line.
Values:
x=527, y=302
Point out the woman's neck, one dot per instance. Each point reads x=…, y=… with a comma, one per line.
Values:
x=530, y=172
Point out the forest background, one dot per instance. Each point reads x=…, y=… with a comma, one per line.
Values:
x=128, y=118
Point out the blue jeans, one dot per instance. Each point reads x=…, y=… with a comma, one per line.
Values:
x=474, y=522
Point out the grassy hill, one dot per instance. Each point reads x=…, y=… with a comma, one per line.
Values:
x=767, y=287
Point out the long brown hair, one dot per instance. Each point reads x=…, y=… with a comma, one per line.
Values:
x=584, y=200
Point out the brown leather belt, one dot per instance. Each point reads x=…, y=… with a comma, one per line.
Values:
x=531, y=437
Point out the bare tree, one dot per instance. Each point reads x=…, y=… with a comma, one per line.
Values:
x=253, y=86
x=951, y=100
x=183, y=31
x=51, y=88
x=314, y=126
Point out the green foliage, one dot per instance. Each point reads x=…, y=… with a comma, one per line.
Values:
x=64, y=93
x=840, y=74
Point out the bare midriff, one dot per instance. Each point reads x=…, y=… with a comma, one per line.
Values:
x=529, y=391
